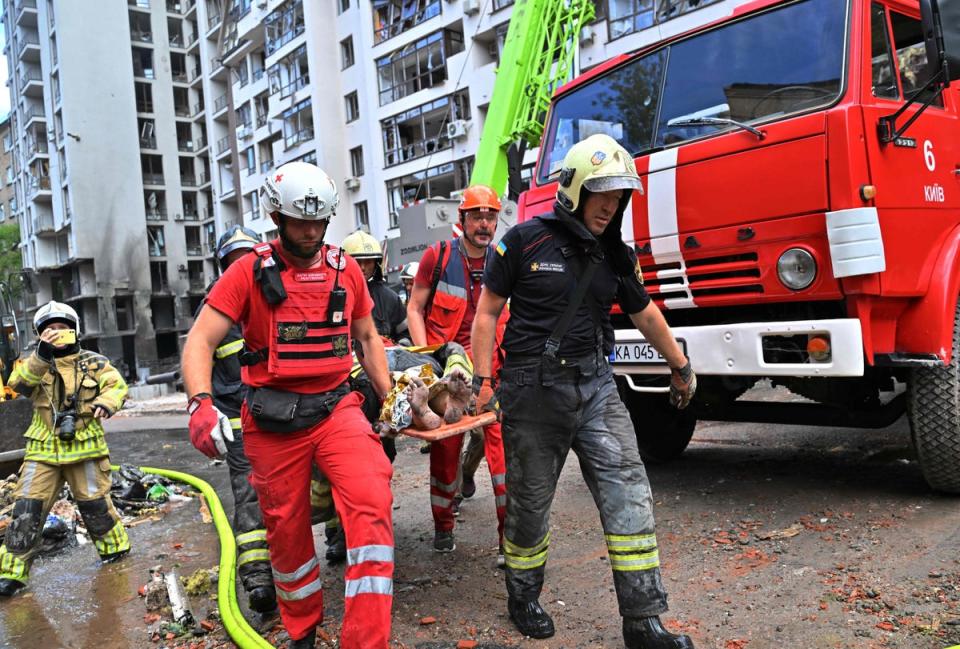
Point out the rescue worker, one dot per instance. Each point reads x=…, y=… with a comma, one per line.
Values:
x=407, y=275
x=557, y=390
x=253, y=559
x=441, y=309
x=72, y=389
x=300, y=303
x=389, y=316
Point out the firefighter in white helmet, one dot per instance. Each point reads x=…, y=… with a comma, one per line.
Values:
x=557, y=389
x=389, y=315
x=72, y=390
x=407, y=275
x=301, y=305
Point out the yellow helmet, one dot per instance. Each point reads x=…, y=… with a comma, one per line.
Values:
x=599, y=164
x=361, y=245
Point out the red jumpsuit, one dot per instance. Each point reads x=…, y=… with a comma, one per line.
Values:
x=309, y=355
x=450, y=318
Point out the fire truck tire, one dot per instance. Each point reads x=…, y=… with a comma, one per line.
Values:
x=663, y=432
x=933, y=408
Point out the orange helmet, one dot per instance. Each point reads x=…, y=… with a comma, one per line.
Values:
x=479, y=197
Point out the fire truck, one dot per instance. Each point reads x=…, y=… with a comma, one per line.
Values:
x=800, y=220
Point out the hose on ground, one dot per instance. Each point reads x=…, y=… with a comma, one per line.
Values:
x=240, y=631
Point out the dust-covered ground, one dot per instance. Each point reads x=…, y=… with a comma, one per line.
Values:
x=770, y=536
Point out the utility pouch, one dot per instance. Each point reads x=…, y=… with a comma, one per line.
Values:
x=266, y=272
x=278, y=411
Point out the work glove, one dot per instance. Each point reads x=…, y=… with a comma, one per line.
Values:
x=683, y=385
x=208, y=426
x=485, y=398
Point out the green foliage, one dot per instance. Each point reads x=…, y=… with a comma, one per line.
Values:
x=10, y=259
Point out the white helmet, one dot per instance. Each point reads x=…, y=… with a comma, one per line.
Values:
x=299, y=190
x=410, y=270
x=54, y=311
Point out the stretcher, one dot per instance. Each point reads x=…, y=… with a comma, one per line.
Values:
x=469, y=422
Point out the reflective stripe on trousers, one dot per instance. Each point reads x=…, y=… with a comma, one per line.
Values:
x=580, y=411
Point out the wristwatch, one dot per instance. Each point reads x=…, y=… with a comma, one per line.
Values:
x=195, y=400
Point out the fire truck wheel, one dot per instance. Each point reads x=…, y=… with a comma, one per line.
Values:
x=933, y=408
x=663, y=432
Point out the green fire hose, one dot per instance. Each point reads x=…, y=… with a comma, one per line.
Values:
x=240, y=632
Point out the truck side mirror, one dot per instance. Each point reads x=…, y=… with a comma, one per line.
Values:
x=940, y=22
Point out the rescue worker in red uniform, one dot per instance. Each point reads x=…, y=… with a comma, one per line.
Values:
x=562, y=272
x=441, y=309
x=301, y=304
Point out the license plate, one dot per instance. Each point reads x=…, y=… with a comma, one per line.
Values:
x=641, y=351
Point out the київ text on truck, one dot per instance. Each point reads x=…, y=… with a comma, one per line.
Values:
x=791, y=227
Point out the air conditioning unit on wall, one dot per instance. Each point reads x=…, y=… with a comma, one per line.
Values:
x=471, y=7
x=457, y=129
x=352, y=183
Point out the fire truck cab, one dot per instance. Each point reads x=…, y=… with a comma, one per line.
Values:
x=800, y=219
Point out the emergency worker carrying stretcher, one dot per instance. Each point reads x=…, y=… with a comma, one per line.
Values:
x=562, y=272
x=301, y=304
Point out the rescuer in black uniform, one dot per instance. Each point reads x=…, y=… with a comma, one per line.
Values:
x=557, y=390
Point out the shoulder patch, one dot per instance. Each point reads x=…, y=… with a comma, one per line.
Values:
x=638, y=272
x=336, y=259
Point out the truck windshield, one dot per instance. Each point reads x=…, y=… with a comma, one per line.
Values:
x=777, y=63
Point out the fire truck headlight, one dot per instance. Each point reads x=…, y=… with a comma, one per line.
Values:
x=796, y=268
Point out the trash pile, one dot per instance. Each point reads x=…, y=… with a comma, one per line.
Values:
x=168, y=607
x=136, y=495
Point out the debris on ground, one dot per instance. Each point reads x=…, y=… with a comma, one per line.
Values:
x=201, y=581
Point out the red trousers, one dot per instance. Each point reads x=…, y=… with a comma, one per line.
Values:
x=346, y=450
x=445, y=476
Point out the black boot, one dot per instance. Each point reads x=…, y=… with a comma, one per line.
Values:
x=530, y=619
x=9, y=587
x=262, y=599
x=306, y=642
x=648, y=633
x=113, y=557
x=336, y=544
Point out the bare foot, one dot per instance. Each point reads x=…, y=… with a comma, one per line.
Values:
x=458, y=399
x=418, y=395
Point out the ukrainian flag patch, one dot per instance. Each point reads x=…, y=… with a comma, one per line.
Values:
x=501, y=248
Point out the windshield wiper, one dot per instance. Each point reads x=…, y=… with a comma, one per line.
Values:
x=716, y=121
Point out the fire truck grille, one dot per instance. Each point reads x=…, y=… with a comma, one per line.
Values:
x=725, y=276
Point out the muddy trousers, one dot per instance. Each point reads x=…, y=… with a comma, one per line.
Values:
x=253, y=556
x=37, y=489
x=579, y=410
x=348, y=452
x=473, y=453
x=445, y=476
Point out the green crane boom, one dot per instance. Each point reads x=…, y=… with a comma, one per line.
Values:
x=536, y=58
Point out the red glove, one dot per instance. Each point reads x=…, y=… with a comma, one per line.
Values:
x=208, y=426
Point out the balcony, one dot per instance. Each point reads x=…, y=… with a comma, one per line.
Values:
x=157, y=214
x=188, y=180
x=177, y=6
x=28, y=48
x=27, y=13
x=150, y=178
x=220, y=103
x=180, y=76
x=31, y=83
x=294, y=139
x=144, y=106
x=198, y=109
x=191, y=214
x=44, y=225
x=223, y=144
x=139, y=4
x=35, y=148
x=39, y=187
x=176, y=41
x=141, y=36
x=185, y=145
x=148, y=142
x=266, y=166
x=200, y=144
x=202, y=179
x=32, y=113
x=291, y=87
x=194, y=250
x=261, y=119
x=197, y=283
x=213, y=21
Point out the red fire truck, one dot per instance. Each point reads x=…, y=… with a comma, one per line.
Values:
x=801, y=215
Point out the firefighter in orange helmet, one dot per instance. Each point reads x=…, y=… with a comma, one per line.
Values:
x=441, y=309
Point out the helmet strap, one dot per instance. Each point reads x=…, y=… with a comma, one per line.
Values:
x=289, y=246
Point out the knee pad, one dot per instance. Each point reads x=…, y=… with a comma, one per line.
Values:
x=25, y=525
x=96, y=516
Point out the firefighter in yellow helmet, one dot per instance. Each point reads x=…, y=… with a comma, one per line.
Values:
x=72, y=390
x=557, y=390
x=389, y=314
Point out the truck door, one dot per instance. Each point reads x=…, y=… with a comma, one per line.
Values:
x=915, y=176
